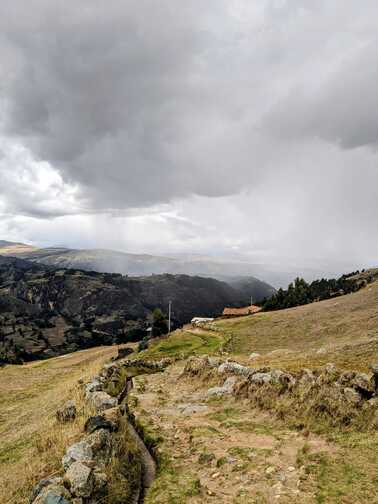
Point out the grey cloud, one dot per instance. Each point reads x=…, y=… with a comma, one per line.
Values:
x=253, y=122
x=340, y=110
x=141, y=103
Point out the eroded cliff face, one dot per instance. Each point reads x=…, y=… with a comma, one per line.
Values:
x=46, y=312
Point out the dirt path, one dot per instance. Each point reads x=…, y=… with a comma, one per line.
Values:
x=220, y=448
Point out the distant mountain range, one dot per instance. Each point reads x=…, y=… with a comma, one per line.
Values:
x=46, y=311
x=110, y=261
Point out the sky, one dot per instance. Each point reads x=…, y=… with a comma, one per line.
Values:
x=225, y=127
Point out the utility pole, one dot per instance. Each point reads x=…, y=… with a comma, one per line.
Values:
x=169, y=316
x=251, y=300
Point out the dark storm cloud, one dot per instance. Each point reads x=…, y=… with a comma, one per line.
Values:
x=119, y=98
x=341, y=110
x=268, y=107
x=140, y=102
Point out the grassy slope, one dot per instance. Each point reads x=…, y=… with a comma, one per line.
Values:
x=343, y=330
x=31, y=441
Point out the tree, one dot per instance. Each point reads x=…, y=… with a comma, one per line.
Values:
x=159, y=323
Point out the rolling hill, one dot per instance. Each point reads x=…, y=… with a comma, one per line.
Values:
x=258, y=443
x=112, y=261
x=45, y=311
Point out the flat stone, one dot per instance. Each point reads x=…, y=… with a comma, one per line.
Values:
x=109, y=420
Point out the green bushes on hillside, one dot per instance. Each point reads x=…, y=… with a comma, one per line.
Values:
x=300, y=292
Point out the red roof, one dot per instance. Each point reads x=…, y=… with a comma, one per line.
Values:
x=246, y=310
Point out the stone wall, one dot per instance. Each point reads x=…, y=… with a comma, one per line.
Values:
x=84, y=477
x=342, y=398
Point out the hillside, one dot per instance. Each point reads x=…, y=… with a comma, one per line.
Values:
x=45, y=311
x=112, y=261
x=284, y=409
x=344, y=330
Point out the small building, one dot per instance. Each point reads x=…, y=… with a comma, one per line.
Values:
x=201, y=321
x=240, y=312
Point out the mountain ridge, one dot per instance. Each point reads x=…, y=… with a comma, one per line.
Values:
x=46, y=311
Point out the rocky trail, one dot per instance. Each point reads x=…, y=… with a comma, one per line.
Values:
x=221, y=449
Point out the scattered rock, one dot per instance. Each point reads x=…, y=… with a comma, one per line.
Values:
x=190, y=409
x=254, y=355
x=226, y=389
x=67, y=412
x=352, y=395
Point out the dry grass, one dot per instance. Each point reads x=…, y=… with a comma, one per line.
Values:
x=344, y=329
x=31, y=441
